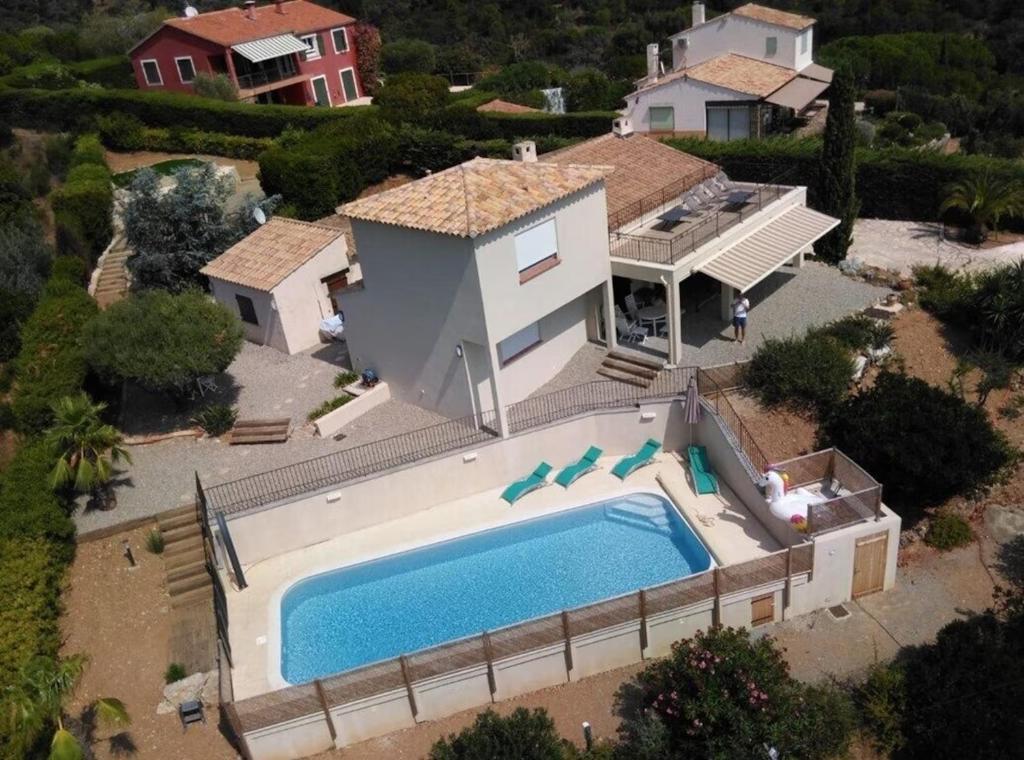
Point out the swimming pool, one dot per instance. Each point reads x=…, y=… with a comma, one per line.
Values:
x=404, y=602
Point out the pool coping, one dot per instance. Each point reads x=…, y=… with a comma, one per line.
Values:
x=275, y=677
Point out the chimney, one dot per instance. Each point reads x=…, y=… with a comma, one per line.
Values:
x=250, y=9
x=653, y=62
x=279, y=6
x=622, y=126
x=525, y=151
x=697, y=16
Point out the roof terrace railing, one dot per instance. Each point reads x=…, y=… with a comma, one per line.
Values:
x=660, y=197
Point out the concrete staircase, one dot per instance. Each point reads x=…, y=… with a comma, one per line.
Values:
x=112, y=282
x=188, y=580
x=630, y=368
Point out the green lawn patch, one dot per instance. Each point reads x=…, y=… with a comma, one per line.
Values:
x=164, y=169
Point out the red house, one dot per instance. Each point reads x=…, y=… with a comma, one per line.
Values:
x=291, y=51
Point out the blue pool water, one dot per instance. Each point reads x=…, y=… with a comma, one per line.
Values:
x=399, y=604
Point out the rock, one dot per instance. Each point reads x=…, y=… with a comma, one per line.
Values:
x=1004, y=523
x=904, y=285
x=860, y=363
x=198, y=686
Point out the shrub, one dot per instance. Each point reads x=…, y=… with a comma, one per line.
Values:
x=368, y=45
x=945, y=293
x=88, y=150
x=215, y=86
x=859, y=332
x=523, y=735
x=162, y=342
x=880, y=102
x=216, y=419
x=403, y=56
x=345, y=378
x=58, y=154
x=724, y=695
x=411, y=98
x=329, y=406
x=923, y=444
x=121, y=131
x=948, y=530
x=175, y=672
x=51, y=362
x=882, y=703
x=84, y=204
x=812, y=372
x=28, y=508
x=155, y=542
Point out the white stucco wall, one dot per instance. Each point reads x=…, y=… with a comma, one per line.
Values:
x=738, y=34
x=421, y=299
x=687, y=97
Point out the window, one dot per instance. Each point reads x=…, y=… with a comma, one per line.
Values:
x=662, y=118
x=348, y=84
x=519, y=343
x=186, y=69
x=246, y=310
x=771, y=46
x=536, y=250
x=340, y=38
x=151, y=71
x=805, y=39
x=728, y=122
x=314, y=45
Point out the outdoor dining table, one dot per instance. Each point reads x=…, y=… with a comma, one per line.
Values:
x=654, y=313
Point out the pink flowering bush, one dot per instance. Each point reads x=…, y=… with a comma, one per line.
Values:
x=723, y=695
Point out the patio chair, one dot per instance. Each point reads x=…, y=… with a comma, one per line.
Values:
x=631, y=306
x=629, y=332
x=628, y=464
x=586, y=463
x=536, y=479
x=704, y=479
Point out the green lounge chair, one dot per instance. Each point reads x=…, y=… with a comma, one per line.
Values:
x=704, y=479
x=588, y=462
x=532, y=482
x=641, y=458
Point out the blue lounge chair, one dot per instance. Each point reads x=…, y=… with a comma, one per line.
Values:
x=532, y=482
x=704, y=479
x=641, y=458
x=585, y=464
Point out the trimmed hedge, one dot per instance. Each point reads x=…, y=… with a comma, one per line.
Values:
x=124, y=132
x=894, y=183
x=51, y=362
x=83, y=206
x=29, y=508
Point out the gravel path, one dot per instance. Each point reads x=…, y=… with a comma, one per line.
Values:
x=899, y=246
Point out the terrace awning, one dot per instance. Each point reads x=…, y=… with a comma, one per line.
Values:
x=748, y=261
x=797, y=93
x=270, y=47
x=816, y=71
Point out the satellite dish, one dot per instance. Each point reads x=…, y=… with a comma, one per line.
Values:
x=190, y=12
x=259, y=215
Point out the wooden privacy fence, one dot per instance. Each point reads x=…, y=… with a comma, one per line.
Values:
x=484, y=650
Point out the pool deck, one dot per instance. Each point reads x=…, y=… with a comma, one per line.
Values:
x=721, y=520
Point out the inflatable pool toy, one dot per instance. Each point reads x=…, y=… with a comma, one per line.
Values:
x=783, y=505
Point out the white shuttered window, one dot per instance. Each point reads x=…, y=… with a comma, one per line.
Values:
x=536, y=244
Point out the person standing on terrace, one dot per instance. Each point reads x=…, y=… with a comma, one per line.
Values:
x=740, y=307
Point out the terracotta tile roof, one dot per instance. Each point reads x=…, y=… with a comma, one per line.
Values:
x=737, y=72
x=231, y=26
x=643, y=166
x=773, y=16
x=503, y=106
x=475, y=197
x=263, y=259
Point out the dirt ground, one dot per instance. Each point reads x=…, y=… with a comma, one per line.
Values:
x=120, y=617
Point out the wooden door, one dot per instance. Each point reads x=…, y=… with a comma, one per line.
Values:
x=869, y=563
x=762, y=610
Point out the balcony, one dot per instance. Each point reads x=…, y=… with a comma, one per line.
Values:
x=673, y=230
x=256, y=78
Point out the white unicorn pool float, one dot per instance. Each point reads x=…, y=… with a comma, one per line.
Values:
x=786, y=506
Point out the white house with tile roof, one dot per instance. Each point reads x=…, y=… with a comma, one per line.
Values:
x=278, y=280
x=738, y=75
x=479, y=282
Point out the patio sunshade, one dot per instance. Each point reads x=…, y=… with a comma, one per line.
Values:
x=748, y=261
x=270, y=47
x=816, y=71
x=798, y=93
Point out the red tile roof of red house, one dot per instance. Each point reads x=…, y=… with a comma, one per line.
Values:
x=232, y=26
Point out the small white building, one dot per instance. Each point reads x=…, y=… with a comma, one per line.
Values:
x=279, y=281
x=741, y=74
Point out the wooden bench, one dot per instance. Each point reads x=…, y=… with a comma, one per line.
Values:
x=260, y=431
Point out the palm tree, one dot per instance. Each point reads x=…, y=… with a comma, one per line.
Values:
x=85, y=446
x=37, y=701
x=985, y=198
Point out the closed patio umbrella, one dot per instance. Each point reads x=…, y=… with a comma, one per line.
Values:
x=692, y=410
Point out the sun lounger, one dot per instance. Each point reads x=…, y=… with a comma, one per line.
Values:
x=704, y=479
x=644, y=456
x=585, y=464
x=532, y=482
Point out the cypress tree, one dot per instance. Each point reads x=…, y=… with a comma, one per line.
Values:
x=836, y=194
